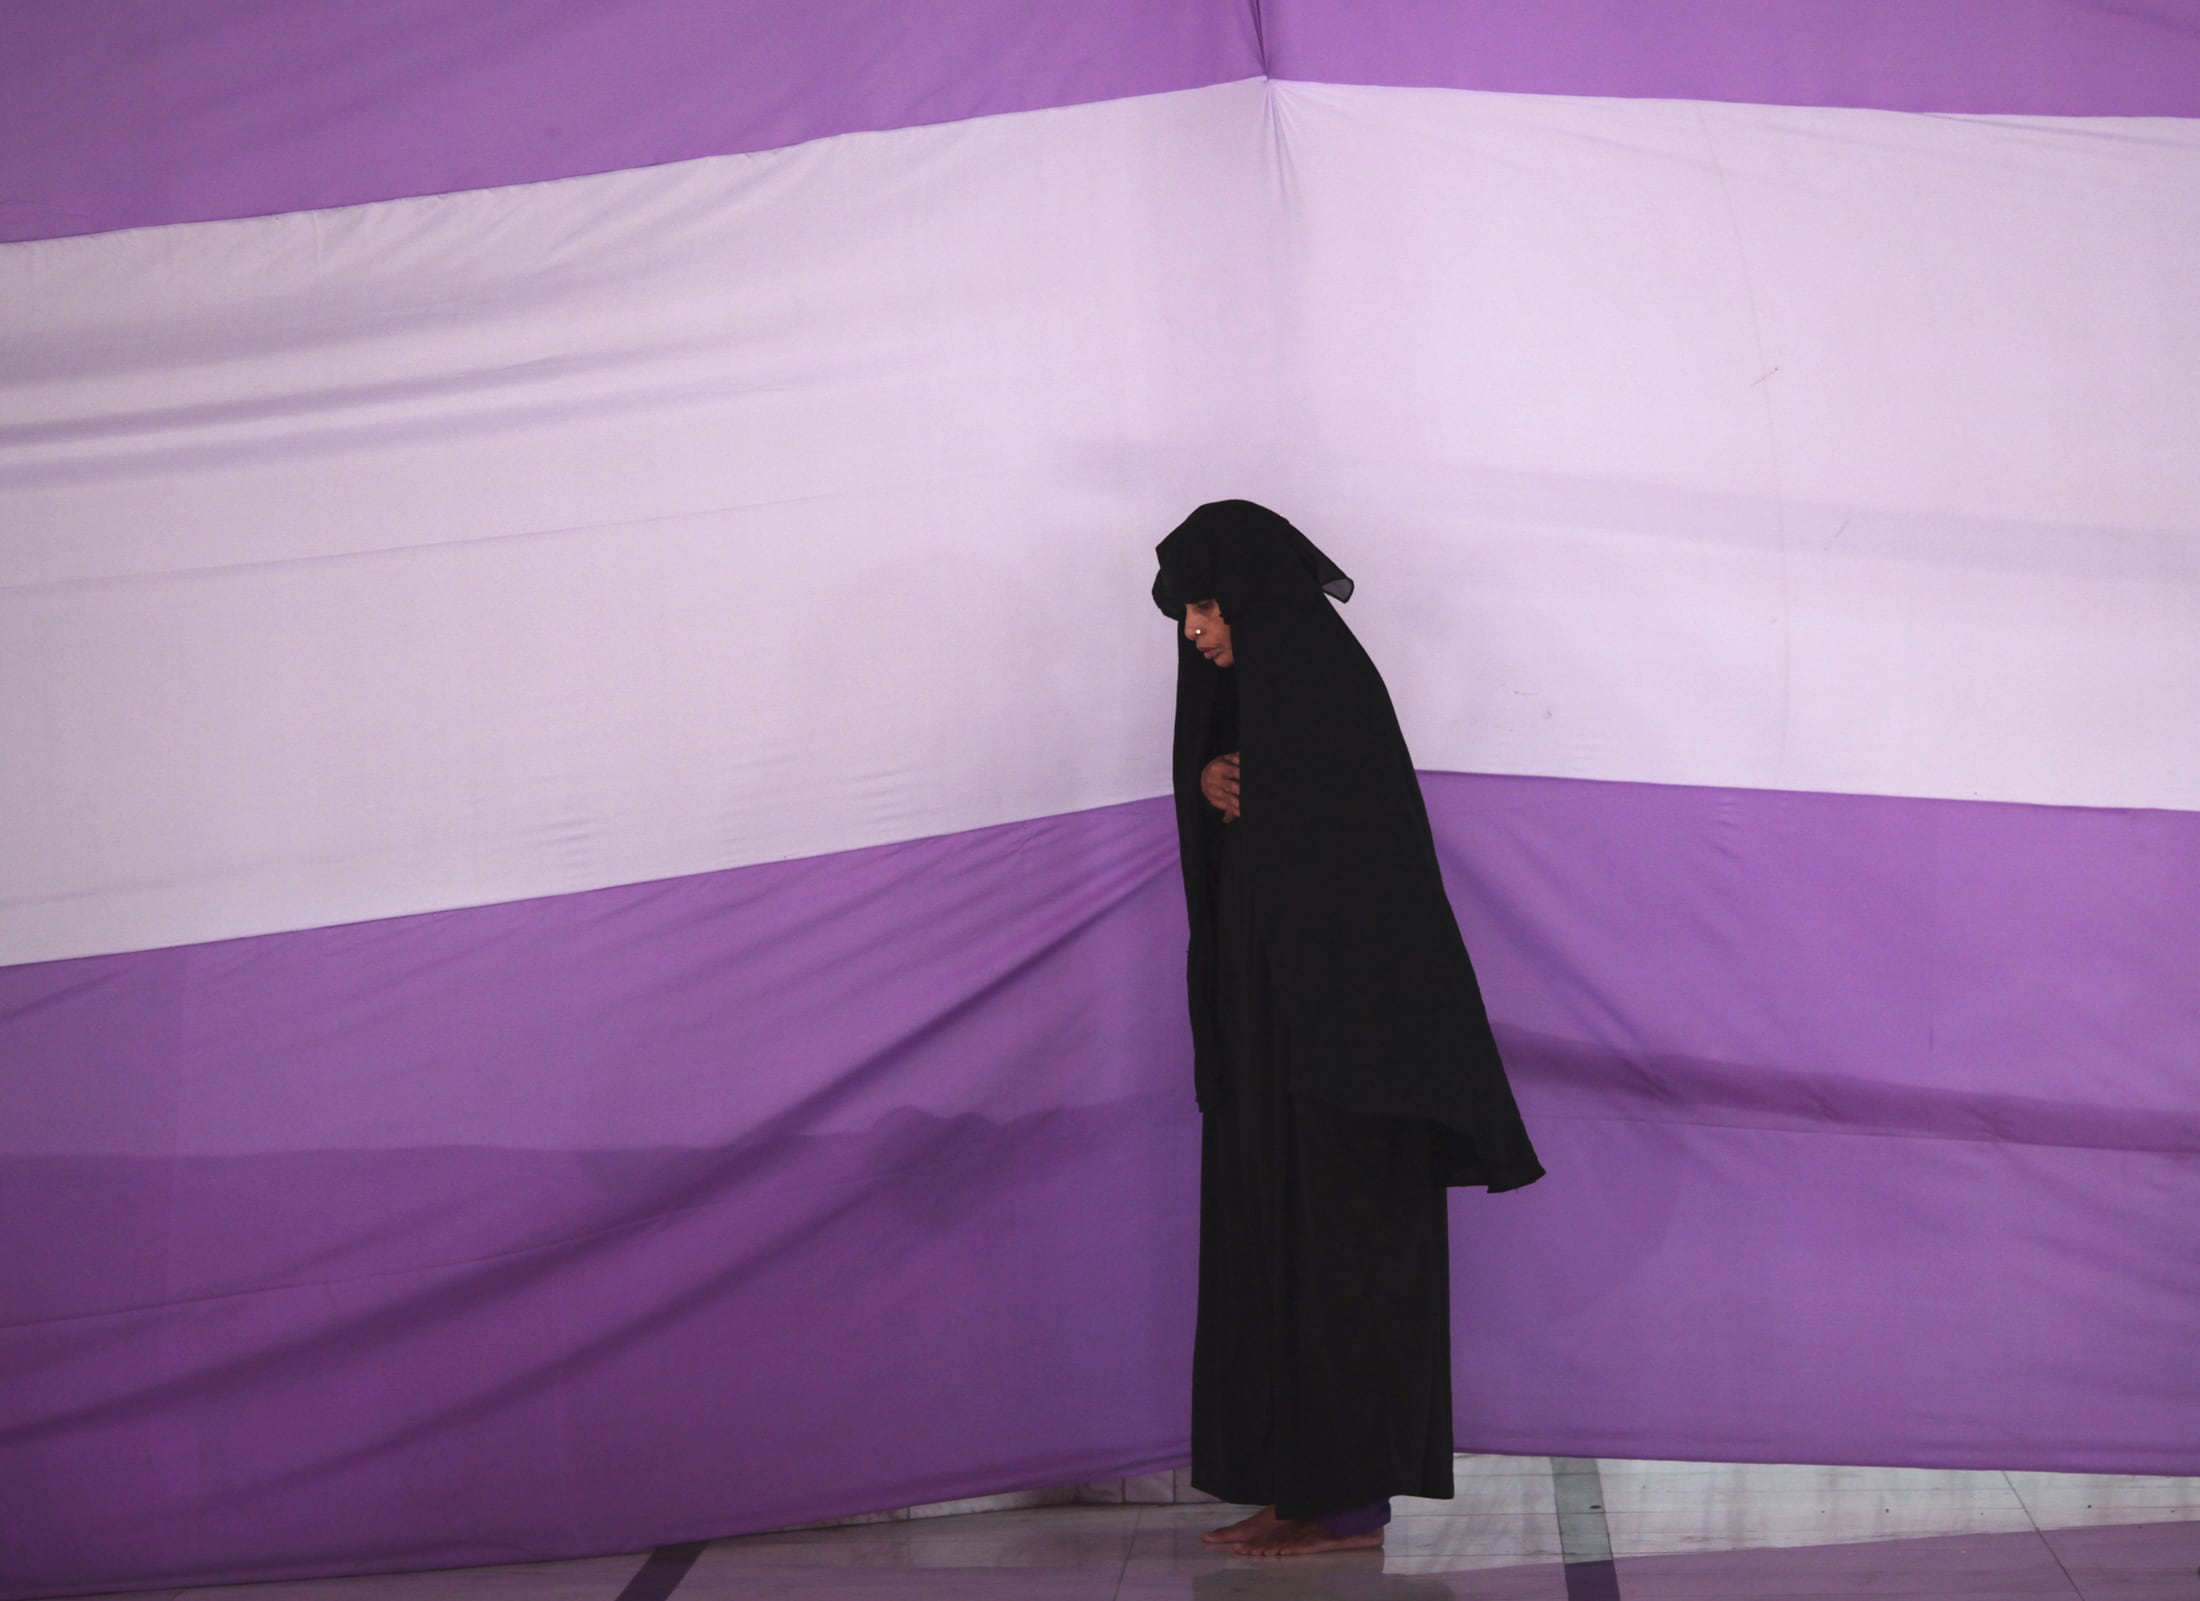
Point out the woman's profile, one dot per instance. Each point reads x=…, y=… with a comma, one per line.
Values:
x=1342, y=1059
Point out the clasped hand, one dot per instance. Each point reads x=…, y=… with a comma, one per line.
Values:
x=1218, y=781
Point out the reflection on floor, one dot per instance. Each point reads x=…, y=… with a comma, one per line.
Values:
x=1519, y=1529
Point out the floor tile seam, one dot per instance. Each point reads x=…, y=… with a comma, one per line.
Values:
x=2053, y=1555
x=1130, y=1549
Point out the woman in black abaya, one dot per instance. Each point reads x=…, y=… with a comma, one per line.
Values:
x=1341, y=1055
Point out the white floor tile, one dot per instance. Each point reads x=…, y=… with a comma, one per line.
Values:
x=1013, y=1501
x=1150, y=1489
x=1741, y=1476
x=1181, y=1478
x=1482, y=1495
x=1837, y=1520
x=2080, y=1500
x=1501, y=1526
x=1748, y=1491
x=1477, y=1466
x=1462, y=1544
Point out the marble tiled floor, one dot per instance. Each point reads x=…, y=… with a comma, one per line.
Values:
x=1519, y=1529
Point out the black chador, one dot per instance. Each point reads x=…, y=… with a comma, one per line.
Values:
x=1342, y=1057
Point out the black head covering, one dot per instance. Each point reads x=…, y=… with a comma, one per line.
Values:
x=1380, y=1006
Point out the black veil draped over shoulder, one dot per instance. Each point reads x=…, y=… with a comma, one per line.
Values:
x=1378, y=1002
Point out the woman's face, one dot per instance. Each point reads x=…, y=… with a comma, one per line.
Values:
x=1204, y=627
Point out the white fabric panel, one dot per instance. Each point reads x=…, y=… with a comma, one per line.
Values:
x=1761, y=446
x=451, y=551
x=503, y=544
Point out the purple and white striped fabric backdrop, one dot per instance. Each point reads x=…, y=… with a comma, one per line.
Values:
x=590, y=950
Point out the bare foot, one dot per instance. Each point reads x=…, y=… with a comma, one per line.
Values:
x=1296, y=1537
x=1230, y=1533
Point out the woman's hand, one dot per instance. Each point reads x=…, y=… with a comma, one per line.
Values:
x=1218, y=781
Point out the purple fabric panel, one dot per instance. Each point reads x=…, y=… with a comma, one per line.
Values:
x=132, y=112
x=643, y=1346
x=1869, y=1123
x=2051, y=57
x=923, y=1225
